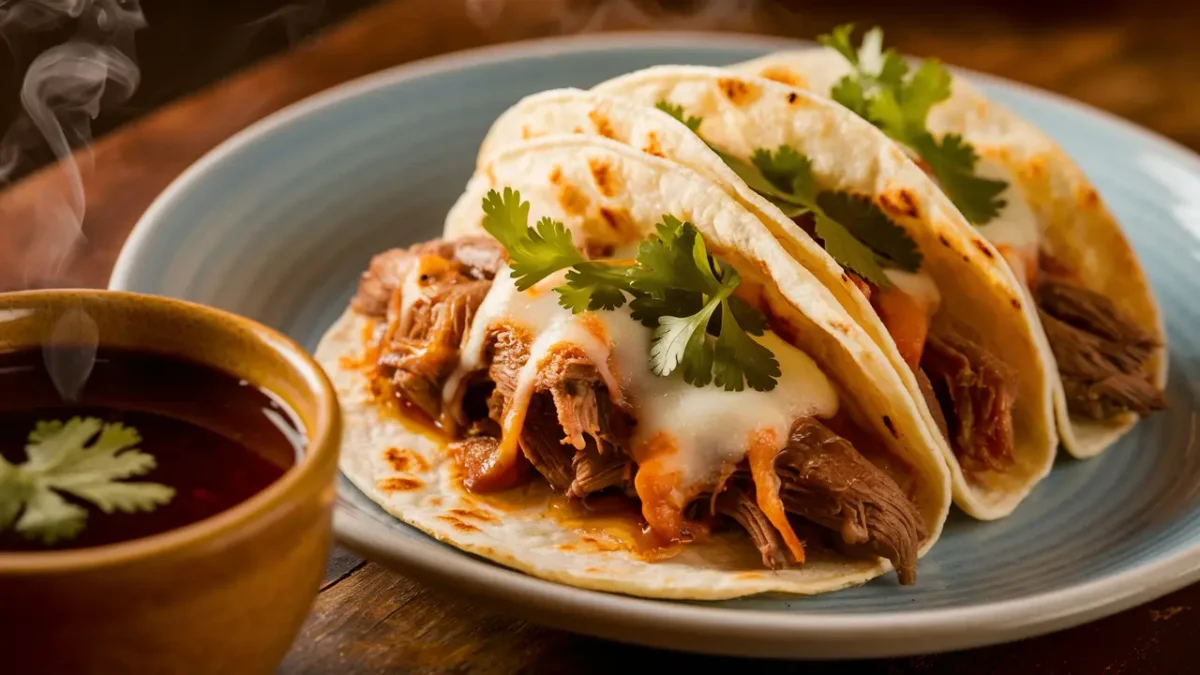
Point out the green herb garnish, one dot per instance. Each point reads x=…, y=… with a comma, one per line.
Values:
x=60, y=459
x=883, y=91
x=856, y=233
x=674, y=286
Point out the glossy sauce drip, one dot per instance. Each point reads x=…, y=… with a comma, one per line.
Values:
x=216, y=440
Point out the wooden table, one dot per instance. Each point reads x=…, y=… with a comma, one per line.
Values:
x=1136, y=58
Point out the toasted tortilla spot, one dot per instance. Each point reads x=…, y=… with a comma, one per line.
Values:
x=945, y=242
x=491, y=175
x=901, y=202
x=348, y=363
x=1015, y=303
x=572, y=199
x=983, y=247
x=739, y=92
x=841, y=327
x=603, y=126
x=459, y=525
x=569, y=546
x=579, y=130
x=887, y=422
x=966, y=258
x=845, y=278
x=556, y=175
x=653, y=145
x=750, y=575
x=621, y=223
x=435, y=502
x=592, y=570
x=525, y=132
x=605, y=177
x=403, y=460
x=400, y=484
x=471, y=514
x=1088, y=198
x=783, y=74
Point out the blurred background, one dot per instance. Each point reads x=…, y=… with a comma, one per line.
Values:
x=185, y=45
x=135, y=91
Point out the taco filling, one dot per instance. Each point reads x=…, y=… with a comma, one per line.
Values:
x=1102, y=354
x=967, y=389
x=530, y=390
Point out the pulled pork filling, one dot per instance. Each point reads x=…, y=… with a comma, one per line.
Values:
x=578, y=440
x=1101, y=354
x=967, y=389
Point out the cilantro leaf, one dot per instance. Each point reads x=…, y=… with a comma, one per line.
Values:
x=534, y=253
x=83, y=457
x=673, y=261
x=850, y=93
x=858, y=235
x=839, y=40
x=593, y=286
x=684, y=340
x=850, y=252
x=883, y=91
x=952, y=162
x=870, y=225
x=789, y=171
x=739, y=357
x=50, y=518
x=676, y=111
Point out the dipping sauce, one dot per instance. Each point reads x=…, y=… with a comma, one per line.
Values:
x=216, y=440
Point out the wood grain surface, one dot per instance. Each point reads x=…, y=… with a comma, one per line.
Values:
x=1134, y=58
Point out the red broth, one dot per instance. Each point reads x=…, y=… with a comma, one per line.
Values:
x=216, y=440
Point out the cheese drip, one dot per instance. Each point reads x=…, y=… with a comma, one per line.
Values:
x=686, y=436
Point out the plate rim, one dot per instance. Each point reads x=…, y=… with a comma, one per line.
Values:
x=748, y=632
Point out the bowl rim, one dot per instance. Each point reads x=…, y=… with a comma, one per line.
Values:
x=873, y=635
x=321, y=451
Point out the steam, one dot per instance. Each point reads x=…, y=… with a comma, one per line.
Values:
x=70, y=352
x=583, y=16
x=63, y=91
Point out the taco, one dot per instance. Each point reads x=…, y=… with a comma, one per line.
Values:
x=863, y=219
x=1022, y=192
x=642, y=393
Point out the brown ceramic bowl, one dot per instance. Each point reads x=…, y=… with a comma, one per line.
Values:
x=224, y=595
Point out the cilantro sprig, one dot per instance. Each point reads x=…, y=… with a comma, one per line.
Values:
x=84, y=458
x=674, y=286
x=856, y=233
x=884, y=91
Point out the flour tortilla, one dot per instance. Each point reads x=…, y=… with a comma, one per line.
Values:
x=981, y=298
x=1076, y=226
x=575, y=179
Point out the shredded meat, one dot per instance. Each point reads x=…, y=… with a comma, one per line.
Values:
x=419, y=349
x=1101, y=354
x=825, y=480
x=572, y=432
x=975, y=393
x=477, y=257
x=421, y=358
x=738, y=504
x=540, y=443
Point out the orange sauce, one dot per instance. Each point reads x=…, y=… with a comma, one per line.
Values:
x=906, y=320
x=482, y=467
x=609, y=523
x=763, y=446
x=657, y=486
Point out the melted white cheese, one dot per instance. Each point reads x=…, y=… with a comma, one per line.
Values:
x=709, y=427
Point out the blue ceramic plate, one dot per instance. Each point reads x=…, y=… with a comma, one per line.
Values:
x=277, y=223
